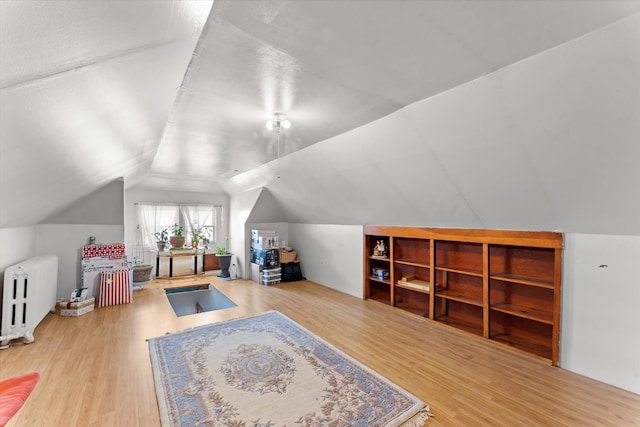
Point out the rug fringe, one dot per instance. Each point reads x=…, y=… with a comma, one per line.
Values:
x=420, y=419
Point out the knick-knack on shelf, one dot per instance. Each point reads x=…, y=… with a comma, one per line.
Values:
x=380, y=250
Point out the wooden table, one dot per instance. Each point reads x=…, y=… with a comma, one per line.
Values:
x=177, y=254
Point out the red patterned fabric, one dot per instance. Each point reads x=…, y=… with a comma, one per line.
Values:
x=107, y=250
x=115, y=288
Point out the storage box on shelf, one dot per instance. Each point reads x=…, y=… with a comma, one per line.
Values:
x=501, y=285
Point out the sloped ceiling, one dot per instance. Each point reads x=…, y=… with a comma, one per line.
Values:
x=149, y=91
x=86, y=90
x=549, y=143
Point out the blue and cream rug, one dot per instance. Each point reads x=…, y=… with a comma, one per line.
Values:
x=268, y=371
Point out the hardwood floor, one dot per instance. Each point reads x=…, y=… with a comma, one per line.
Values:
x=95, y=369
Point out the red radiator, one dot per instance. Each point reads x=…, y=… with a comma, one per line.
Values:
x=115, y=288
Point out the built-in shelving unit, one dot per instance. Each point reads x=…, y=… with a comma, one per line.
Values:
x=501, y=285
x=378, y=288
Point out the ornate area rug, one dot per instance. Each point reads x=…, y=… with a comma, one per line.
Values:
x=268, y=371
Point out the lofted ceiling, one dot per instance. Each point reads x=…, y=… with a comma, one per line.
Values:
x=175, y=94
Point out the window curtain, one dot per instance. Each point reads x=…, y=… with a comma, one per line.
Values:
x=198, y=216
x=153, y=219
x=205, y=217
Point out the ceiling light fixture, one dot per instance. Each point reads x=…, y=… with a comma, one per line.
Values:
x=278, y=122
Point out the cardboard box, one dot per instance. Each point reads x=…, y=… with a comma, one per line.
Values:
x=264, y=239
x=102, y=250
x=255, y=234
x=267, y=258
x=380, y=273
x=256, y=273
x=74, y=309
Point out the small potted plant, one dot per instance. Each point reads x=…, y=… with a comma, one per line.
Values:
x=224, y=261
x=162, y=237
x=197, y=235
x=177, y=239
x=206, y=236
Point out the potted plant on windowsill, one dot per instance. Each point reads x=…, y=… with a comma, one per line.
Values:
x=224, y=261
x=162, y=237
x=197, y=235
x=177, y=239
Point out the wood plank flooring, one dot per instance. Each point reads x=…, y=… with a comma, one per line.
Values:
x=95, y=369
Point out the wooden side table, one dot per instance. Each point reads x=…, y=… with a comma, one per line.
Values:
x=178, y=254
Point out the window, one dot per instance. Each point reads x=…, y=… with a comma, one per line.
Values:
x=153, y=218
x=202, y=218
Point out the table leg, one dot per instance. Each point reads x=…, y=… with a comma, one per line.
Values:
x=170, y=267
x=158, y=266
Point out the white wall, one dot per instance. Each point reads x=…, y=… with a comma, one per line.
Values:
x=331, y=255
x=103, y=206
x=66, y=241
x=16, y=245
x=241, y=206
x=600, y=334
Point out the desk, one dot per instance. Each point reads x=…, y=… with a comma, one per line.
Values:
x=177, y=254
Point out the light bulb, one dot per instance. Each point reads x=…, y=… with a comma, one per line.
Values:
x=278, y=122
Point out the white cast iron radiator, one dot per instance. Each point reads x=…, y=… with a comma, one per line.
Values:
x=28, y=294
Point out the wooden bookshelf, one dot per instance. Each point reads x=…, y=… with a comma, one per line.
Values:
x=499, y=284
